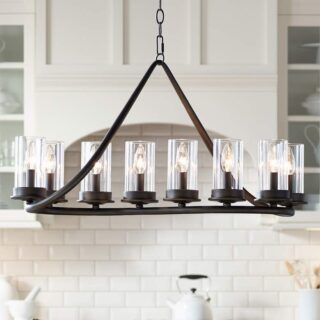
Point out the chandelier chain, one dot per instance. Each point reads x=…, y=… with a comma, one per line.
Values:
x=159, y=38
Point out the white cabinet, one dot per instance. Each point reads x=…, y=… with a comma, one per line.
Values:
x=299, y=106
x=16, y=103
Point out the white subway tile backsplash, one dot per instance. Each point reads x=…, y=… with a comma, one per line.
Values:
x=141, y=237
x=218, y=252
x=110, y=268
x=232, y=299
x=125, y=253
x=49, y=237
x=171, y=268
x=228, y=268
x=125, y=313
x=79, y=237
x=111, y=237
x=247, y=313
x=217, y=221
x=63, y=313
x=64, y=252
x=94, y=253
x=202, y=237
x=156, y=252
x=233, y=237
x=141, y=268
x=140, y=299
x=263, y=299
x=246, y=283
x=171, y=237
x=155, y=284
x=125, y=284
x=18, y=268
x=186, y=252
x=33, y=253
x=17, y=237
x=248, y=252
x=93, y=283
x=94, y=313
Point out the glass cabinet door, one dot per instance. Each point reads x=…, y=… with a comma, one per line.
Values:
x=303, y=103
x=11, y=106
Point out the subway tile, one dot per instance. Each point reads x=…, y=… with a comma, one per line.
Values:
x=217, y=221
x=278, y=283
x=94, y=283
x=109, y=299
x=294, y=237
x=65, y=222
x=186, y=252
x=141, y=268
x=28, y=282
x=248, y=283
x=50, y=299
x=79, y=268
x=125, y=222
x=45, y=268
x=278, y=252
x=171, y=268
x=94, y=223
x=49, y=237
x=278, y=313
x=187, y=221
x=141, y=237
x=172, y=237
x=264, y=268
x=94, y=313
x=202, y=237
x=230, y=299
x=63, y=284
x=63, y=313
x=8, y=253
x=125, y=313
x=111, y=237
x=234, y=268
x=18, y=268
x=124, y=284
x=263, y=299
x=79, y=237
x=233, y=237
x=140, y=299
x=156, y=253
x=206, y=267
x=78, y=299
x=64, y=253
x=155, y=284
x=155, y=313
x=247, y=313
x=264, y=237
x=17, y=237
x=248, y=252
x=94, y=253
x=218, y=252
x=125, y=253
x=110, y=268
x=156, y=222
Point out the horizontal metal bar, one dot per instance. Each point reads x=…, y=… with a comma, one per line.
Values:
x=279, y=211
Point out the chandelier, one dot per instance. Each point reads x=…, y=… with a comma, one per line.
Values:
x=39, y=169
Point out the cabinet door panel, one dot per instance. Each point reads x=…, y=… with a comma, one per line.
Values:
x=79, y=32
x=235, y=32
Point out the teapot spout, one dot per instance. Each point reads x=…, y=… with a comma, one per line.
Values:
x=171, y=304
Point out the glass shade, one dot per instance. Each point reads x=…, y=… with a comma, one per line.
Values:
x=227, y=164
x=182, y=164
x=99, y=178
x=54, y=165
x=295, y=168
x=139, y=166
x=29, y=154
x=273, y=158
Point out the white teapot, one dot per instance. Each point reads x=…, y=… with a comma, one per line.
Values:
x=191, y=306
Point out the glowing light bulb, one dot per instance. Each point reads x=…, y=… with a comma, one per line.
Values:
x=97, y=168
x=30, y=159
x=139, y=161
x=291, y=164
x=182, y=160
x=227, y=158
x=272, y=160
x=51, y=160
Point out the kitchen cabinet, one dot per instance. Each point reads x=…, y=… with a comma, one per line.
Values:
x=299, y=107
x=16, y=102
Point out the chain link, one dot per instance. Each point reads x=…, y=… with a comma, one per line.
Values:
x=159, y=39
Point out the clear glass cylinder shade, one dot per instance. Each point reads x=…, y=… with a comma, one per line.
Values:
x=140, y=166
x=99, y=178
x=182, y=164
x=54, y=165
x=29, y=154
x=273, y=158
x=227, y=164
x=295, y=167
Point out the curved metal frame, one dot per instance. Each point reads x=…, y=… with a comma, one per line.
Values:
x=45, y=206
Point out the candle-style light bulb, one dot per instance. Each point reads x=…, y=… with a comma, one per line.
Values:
x=30, y=164
x=182, y=164
x=50, y=167
x=227, y=158
x=140, y=165
x=227, y=165
x=273, y=167
x=51, y=160
x=182, y=160
x=96, y=171
x=30, y=159
x=291, y=168
x=272, y=160
x=139, y=161
x=291, y=164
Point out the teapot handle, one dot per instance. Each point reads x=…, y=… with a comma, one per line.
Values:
x=195, y=277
